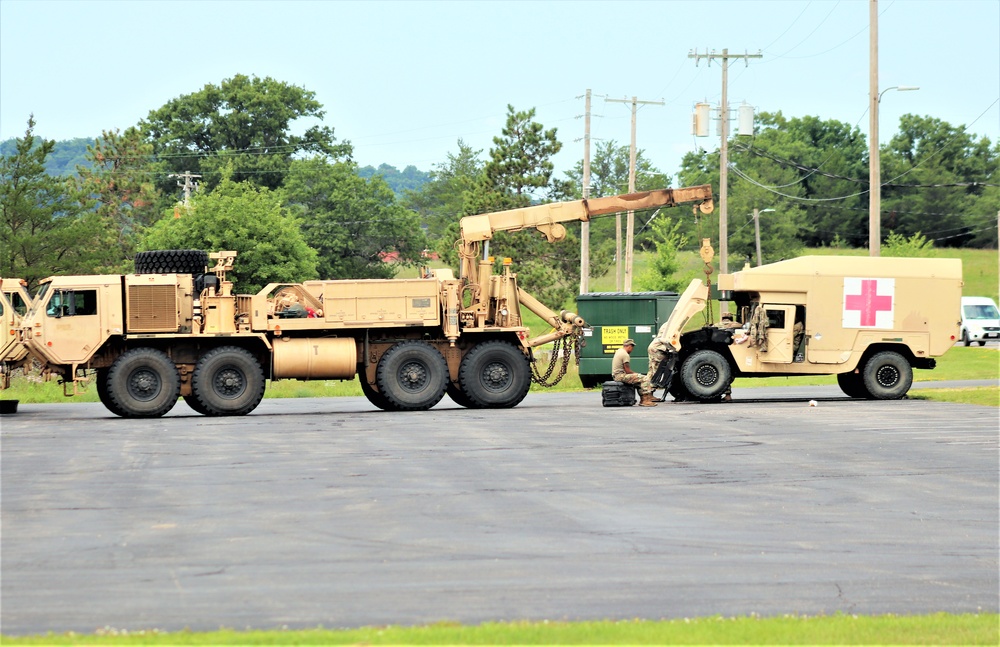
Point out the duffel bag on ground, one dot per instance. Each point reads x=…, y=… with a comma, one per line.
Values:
x=617, y=394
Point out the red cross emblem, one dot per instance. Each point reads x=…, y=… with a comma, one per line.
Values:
x=868, y=303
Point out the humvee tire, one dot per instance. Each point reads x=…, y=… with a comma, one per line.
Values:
x=887, y=376
x=706, y=374
x=852, y=384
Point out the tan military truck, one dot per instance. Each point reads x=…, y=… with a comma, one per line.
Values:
x=176, y=329
x=868, y=320
x=14, y=303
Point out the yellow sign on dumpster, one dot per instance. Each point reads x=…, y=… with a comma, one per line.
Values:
x=612, y=338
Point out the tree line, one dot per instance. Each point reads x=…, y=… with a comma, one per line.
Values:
x=298, y=207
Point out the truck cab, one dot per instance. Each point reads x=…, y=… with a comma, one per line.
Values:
x=14, y=304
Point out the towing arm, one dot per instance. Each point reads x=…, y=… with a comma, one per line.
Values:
x=547, y=219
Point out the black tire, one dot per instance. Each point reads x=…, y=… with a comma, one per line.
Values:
x=982, y=342
x=101, y=382
x=965, y=338
x=495, y=375
x=171, y=261
x=412, y=376
x=591, y=381
x=192, y=402
x=887, y=376
x=680, y=393
x=374, y=396
x=228, y=381
x=142, y=383
x=852, y=385
x=706, y=375
x=455, y=393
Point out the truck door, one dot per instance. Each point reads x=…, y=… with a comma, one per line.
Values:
x=73, y=328
x=780, y=334
x=9, y=340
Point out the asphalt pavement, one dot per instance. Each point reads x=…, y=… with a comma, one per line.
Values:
x=328, y=512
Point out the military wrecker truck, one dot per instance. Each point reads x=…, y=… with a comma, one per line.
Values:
x=176, y=329
x=868, y=320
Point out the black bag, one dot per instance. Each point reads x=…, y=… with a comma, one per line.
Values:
x=617, y=394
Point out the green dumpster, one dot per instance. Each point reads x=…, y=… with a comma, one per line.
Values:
x=612, y=318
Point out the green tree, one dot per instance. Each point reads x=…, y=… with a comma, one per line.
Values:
x=938, y=180
x=441, y=200
x=352, y=222
x=248, y=219
x=519, y=171
x=663, y=273
x=916, y=246
x=116, y=185
x=245, y=122
x=42, y=233
x=609, y=171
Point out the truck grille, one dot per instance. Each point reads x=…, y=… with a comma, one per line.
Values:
x=152, y=308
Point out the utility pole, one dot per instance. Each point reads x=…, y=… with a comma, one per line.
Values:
x=630, y=227
x=187, y=184
x=724, y=148
x=585, y=225
x=874, y=164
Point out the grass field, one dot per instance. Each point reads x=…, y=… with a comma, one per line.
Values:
x=933, y=629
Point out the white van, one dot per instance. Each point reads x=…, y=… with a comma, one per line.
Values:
x=980, y=320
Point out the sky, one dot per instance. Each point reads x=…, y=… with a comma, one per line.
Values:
x=404, y=81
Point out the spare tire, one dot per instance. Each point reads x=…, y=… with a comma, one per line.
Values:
x=171, y=261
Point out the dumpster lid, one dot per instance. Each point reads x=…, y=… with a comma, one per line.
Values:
x=619, y=295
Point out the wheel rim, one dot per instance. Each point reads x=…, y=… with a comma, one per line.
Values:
x=707, y=375
x=229, y=383
x=496, y=377
x=412, y=376
x=143, y=384
x=887, y=376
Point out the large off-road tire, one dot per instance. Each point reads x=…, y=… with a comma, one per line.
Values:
x=706, y=375
x=495, y=375
x=374, y=396
x=192, y=402
x=101, y=382
x=171, y=261
x=228, y=381
x=142, y=383
x=412, y=376
x=591, y=381
x=887, y=376
x=852, y=384
x=458, y=397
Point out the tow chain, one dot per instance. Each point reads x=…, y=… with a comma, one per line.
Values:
x=570, y=344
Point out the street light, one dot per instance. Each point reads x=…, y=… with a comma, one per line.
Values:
x=756, y=228
x=874, y=173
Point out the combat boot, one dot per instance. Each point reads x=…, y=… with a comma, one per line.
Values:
x=646, y=400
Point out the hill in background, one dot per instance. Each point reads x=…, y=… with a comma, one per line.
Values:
x=70, y=153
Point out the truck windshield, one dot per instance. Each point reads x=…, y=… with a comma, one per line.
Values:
x=981, y=312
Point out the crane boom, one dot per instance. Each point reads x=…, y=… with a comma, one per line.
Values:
x=547, y=218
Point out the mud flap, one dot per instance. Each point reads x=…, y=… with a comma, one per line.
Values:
x=665, y=371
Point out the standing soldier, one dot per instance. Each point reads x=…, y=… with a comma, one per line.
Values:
x=622, y=372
